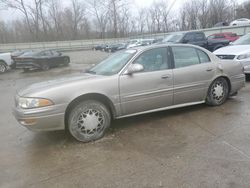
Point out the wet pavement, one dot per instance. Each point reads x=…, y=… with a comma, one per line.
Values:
x=196, y=147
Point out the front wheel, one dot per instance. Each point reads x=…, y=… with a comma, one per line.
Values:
x=218, y=92
x=88, y=121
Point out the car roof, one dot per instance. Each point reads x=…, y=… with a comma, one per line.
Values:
x=142, y=48
x=223, y=33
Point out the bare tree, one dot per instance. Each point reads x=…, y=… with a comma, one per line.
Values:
x=99, y=9
x=55, y=14
x=243, y=11
x=23, y=8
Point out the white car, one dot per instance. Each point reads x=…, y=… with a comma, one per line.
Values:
x=238, y=51
x=142, y=42
x=241, y=21
x=5, y=62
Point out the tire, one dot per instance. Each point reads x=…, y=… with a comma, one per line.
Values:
x=66, y=61
x=26, y=70
x=218, y=92
x=45, y=66
x=3, y=67
x=88, y=121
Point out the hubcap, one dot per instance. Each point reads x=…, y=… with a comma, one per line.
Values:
x=90, y=122
x=2, y=68
x=218, y=91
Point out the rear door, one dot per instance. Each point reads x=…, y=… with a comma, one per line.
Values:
x=56, y=59
x=192, y=74
x=150, y=89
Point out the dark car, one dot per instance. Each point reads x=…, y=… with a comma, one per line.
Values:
x=221, y=24
x=100, y=47
x=41, y=59
x=16, y=54
x=196, y=38
x=115, y=47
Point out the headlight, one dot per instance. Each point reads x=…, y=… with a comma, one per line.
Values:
x=29, y=103
x=244, y=56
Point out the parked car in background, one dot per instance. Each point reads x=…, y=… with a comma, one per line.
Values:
x=115, y=47
x=238, y=51
x=221, y=24
x=244, y=40
x=5, y=62
x=122, y=47
x=224, y=36
x=128, y=83
x=100, y=47
x=196, y=38
x=16, y=54
x=239, y=22
x=41, y=59
x=142, y=42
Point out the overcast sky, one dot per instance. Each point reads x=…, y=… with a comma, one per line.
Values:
x=11, y=14
x=143, y=3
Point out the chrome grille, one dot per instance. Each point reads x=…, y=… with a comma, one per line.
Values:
x=226, y=56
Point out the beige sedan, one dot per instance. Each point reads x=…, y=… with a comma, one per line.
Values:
x=128, y=83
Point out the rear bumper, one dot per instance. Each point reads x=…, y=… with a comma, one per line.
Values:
x=42, y=119
x=237, y=82
x=27, y=65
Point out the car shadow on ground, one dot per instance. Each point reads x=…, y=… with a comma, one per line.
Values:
x=64, y=138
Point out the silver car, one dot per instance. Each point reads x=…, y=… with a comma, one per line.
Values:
x=128, y=83
x=238, y=51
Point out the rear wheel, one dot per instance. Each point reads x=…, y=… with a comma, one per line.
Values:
x=66, y=61
x=218, y=92
x=26, y=70
x=45, y=66
x=3, y=67
x=88, y=121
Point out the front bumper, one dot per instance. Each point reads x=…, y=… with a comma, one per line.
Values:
x=41, y=119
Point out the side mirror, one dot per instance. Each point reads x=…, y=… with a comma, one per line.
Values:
x=134, y=68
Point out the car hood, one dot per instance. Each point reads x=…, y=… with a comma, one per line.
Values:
x=233, y=50
x=51, y=84
x=5, y=54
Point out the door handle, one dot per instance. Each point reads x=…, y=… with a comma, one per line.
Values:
x=165, y=77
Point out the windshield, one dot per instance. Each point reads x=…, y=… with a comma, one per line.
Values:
x=30, y=53
x=173, y=38
x=243, y=40
x=113, y=64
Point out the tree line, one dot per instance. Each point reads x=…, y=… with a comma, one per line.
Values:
x=53, y=20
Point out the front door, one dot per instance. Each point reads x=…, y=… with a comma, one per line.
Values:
x=150, y=89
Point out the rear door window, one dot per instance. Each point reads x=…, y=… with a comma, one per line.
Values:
x=189, y=37
x=199, y=36
x=185, y=56
x=203, y=56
